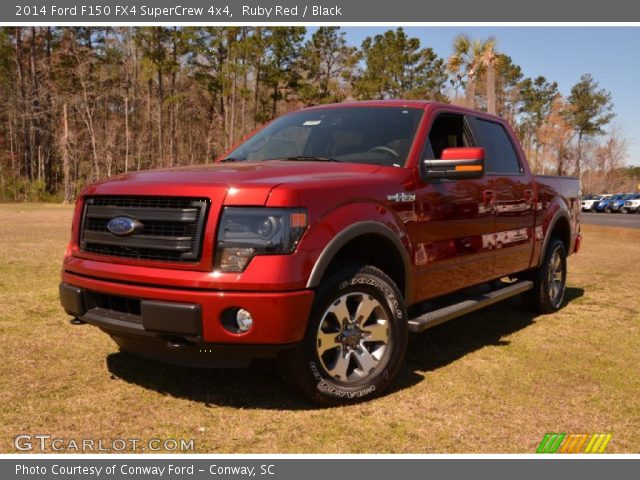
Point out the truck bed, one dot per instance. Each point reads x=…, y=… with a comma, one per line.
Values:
x=567, y=187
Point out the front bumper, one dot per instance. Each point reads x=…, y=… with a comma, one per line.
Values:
x=187, y=326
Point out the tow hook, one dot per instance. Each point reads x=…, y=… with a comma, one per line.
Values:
x=175, y=344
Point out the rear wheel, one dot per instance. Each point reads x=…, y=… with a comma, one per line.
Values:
x=355, y=340
x=549, y=280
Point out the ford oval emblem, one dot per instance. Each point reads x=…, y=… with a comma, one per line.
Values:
x=123, y=226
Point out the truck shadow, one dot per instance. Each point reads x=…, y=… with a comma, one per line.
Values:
x=260, y=386
x=446, y=343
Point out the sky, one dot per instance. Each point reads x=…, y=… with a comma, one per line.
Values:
x=610, y=54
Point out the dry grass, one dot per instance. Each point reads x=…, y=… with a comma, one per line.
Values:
x=494, y=381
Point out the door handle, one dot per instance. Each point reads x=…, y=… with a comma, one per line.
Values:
x=528, y=196
x=489, y=197
x=489, y=201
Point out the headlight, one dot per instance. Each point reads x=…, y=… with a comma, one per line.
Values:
x=247, y=232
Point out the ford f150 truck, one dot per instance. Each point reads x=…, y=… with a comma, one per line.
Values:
x=322, y=240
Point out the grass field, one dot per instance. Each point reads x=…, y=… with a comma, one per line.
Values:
x=494, y=381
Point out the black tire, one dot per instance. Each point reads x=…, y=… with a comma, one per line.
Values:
x=607, y=210
x=542, y=297
x=623, y=210
x=317, y=365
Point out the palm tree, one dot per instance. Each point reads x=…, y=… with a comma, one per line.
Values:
x=460, y=65
x=469, y=59
x=488, y=57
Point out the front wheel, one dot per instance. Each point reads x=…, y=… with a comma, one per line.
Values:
x=549, y=280
x=355, y=340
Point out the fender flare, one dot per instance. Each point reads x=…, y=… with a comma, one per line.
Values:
x=552, y=224
x=348, y=234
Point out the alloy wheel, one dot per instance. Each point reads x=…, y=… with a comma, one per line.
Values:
x=555, y=278
x=353, y=337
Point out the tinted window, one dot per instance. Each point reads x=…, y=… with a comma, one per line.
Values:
x=285, y=143
x=447, y=131
x=500, y=157
x=376, y=135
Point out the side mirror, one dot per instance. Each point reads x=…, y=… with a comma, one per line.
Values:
x=457, y=163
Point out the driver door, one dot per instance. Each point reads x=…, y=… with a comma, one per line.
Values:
x=456, y=222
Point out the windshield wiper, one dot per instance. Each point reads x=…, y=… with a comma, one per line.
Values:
x=230, y=159
x=311, y=158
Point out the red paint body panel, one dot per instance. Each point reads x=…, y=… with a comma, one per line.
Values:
x=454, y=233
x=463, y=153
x=274, y=323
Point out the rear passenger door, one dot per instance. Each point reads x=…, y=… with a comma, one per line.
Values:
x=512, y=188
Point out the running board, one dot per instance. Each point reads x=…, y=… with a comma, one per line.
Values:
x=472, y=304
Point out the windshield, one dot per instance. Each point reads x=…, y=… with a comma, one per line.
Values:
x=375, y=135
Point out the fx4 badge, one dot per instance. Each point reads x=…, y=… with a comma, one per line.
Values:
x=402, y=197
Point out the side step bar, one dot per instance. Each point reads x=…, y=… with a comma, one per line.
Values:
x=469, y=305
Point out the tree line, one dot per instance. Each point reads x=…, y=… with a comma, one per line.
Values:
x=78, y=104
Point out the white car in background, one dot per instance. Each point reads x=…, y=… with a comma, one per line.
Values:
x=632, y=205
x=589, y=202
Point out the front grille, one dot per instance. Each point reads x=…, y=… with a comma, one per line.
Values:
x=172, y=228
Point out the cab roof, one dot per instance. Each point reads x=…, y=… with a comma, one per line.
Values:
x=376, y=103
x=422, y=104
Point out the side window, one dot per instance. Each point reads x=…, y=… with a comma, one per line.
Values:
x=447, y=131
x=500, y=156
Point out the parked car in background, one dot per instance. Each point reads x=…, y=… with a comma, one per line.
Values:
x=617, y=205
x=604, y=204
x=632, y=204
x=589, y=202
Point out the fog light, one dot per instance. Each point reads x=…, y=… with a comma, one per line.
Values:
x=244, y=320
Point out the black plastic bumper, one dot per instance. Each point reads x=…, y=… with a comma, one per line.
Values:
x=165, y=331
x=151, y=317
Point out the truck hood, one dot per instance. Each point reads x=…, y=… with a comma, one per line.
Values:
x=238, y=183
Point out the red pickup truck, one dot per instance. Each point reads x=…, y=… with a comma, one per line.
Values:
x=322, y=240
